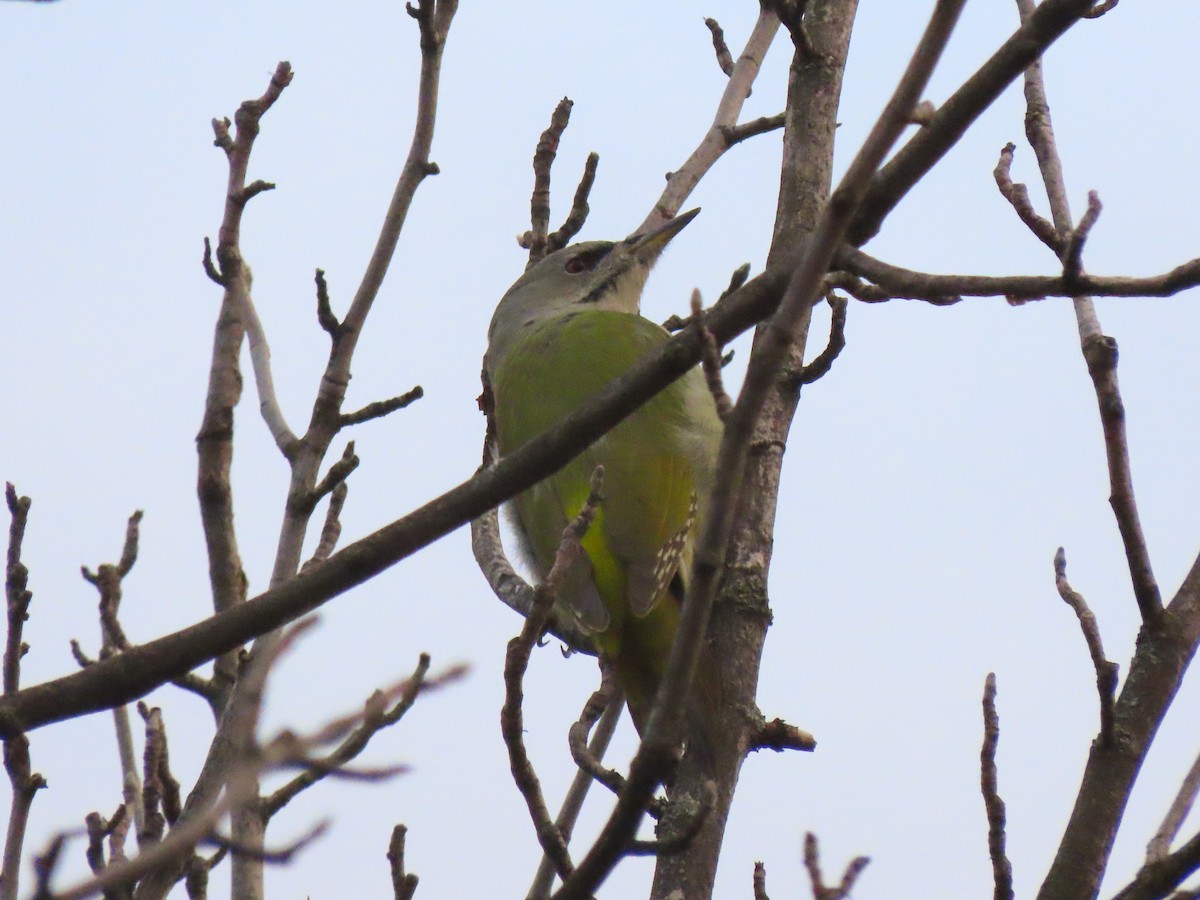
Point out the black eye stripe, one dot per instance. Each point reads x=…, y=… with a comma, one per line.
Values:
x=587, y=260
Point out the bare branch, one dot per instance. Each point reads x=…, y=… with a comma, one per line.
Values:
x=823, y=361
x=1157, y=879
x=1017, y=194
x=331, y=530
x=579, y=207
x=605, y=705
x=812, y=862
x=276, y=856
x=535, y=240
x=516, y=661
x=404, y=884
x=107, y=580
x=374, y=718
x=260, y=362
x=760, y=881
x=381, y=408
x=1160, y=845
x=724, y=57
x=778, y=735
x=1101, y=8
x=25, y=785
x=951, y=120
x=895, y=282
x=511, y=589
x=325, y=315
x=1099, y=350
x=1106, y=672
x=710, y=360
x=16, y=589
x=1001, y=867
x=715, y=142
x=1072, y=253
x=337, y=474
x=735, y=134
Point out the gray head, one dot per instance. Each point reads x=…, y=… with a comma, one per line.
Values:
x=592, y=274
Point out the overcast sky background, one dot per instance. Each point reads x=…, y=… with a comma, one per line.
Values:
x=928, y=480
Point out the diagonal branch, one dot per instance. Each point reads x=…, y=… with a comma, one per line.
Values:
x=717, y=139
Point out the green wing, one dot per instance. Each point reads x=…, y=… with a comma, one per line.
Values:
x=658, y=470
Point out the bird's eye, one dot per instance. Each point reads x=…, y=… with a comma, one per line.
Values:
x=575, y=265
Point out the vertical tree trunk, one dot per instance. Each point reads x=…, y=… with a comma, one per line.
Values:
x=742, y=614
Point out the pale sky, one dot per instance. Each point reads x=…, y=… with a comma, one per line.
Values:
x=929, y=479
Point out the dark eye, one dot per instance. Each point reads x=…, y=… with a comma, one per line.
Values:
x=575, y=265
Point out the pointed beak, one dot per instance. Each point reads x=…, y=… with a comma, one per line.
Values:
x=648, y=245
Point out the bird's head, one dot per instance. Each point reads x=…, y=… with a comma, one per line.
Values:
x=588, y=275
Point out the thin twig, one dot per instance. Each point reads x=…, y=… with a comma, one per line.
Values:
x=1017, y=194
x=1072, y=254
x=382, y=408
x=508, y=585
x=516, y=661
x=1099, y=350
x=590, y=765
x=1158, y=879
x=1160, y=845
x=325, y=315
x=1106, y=671
x=993, y=804
x=374, y=718
x=579, y=207
x=959, y=111
x=606, y=705
x=735, y=134
x=715, y=142
x=107, y=580
x=812, y=863
x=893, y=282
x=404, y=884
x=724, y=57
x=260, y=363
x=331, y=530
x=710, y=360
x=337, y=474
x=279, y=856
x=823, y=361
x=1101, y=8
x=535, y=239
x=759, y=881
x=281, y=750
